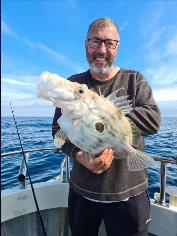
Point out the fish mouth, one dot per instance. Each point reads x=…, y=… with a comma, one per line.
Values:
x=64, y=102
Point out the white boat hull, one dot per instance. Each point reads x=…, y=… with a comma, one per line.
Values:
x=18, y=212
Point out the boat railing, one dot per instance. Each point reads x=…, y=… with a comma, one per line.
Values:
x=163, y=162
x=65, y=169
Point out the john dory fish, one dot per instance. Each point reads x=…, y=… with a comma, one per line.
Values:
x=93, y=122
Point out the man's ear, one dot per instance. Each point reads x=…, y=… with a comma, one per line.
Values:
x=118, y=44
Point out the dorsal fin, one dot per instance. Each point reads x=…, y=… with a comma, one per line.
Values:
x=121, y=102
x=114, y=94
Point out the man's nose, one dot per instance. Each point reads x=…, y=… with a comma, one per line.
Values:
x=102, y=47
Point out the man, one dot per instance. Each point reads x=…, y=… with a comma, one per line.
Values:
x=101, y=187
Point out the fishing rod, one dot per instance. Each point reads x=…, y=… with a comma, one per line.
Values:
x=32, y=188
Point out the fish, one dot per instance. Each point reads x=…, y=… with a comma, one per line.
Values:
x=93, y=122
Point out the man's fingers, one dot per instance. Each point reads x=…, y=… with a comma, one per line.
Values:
x=105, y=159
x=108, y=156
x=97, y=164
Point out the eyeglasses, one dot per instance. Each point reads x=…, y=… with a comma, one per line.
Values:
x=109, y=43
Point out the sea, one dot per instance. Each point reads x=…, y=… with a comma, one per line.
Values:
x=35, y=132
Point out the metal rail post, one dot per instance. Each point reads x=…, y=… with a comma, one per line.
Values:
x=67, y=168
x=162, y=183
x=22, y=171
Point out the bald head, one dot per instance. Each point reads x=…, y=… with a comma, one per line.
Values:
x=103, y=23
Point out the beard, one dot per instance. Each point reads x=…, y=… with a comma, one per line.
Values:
x=100, y=69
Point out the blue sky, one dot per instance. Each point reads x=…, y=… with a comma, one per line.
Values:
x=40, y=35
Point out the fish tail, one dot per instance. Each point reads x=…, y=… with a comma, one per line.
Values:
x=139, y=160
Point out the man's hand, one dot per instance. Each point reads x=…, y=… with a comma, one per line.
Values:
x=97, y=164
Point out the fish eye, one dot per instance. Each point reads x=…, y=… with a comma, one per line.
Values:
x=99, y=127
x=80, y=91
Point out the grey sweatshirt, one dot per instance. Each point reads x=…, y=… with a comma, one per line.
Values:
x=117, y=183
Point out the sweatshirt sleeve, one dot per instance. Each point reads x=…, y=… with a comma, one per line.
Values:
x=146, y=114
x=68, y=148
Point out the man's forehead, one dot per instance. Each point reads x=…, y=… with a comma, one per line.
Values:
x=103, y=26
x=109, y=29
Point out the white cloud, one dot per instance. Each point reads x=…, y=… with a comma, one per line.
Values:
x=155, y=37
x=162, y=75
x=19, y=79
x=15, y=65
x=169, y=94
x=7, y=30
x=171, y=46
x=55, y=55
x=160, y=54
x=19, y=83
x=150, y=20
x=59, y=57
x=15, y=86
x=24, y=99
x=15, y=95
x=160, y=51
x=28, y=110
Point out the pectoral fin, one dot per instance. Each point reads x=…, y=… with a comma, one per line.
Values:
x=60, y=138
x=138, y=160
